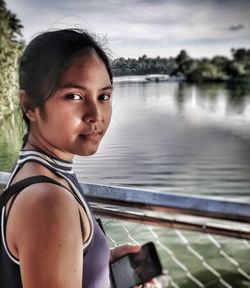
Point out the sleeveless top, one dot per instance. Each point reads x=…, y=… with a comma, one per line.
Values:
x=95, y=250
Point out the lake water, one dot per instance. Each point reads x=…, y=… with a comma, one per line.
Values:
x=169, y=137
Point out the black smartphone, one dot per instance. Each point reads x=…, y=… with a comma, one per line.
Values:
x=136, y=268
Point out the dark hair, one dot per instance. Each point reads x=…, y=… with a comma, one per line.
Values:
x=45, y=59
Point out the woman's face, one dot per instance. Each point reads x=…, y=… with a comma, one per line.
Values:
x=75, y=118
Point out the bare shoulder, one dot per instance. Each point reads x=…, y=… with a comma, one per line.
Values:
x=46, y=197
x=47, y=234
x=44, y=209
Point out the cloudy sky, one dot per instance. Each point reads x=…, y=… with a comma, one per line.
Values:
x=151, y=27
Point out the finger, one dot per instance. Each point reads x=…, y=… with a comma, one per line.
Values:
x=123, y=250
x=151, y=283
x=131, y=248
x=155, y=281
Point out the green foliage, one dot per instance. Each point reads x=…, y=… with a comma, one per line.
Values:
x=11, y=133
x=10, y=49
x=236, y=69
x=241, y=55
x=205, y=71
x=183, y=62
x=217, y=69
x=143, y=65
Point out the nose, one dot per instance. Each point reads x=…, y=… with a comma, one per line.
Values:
x=93, y=113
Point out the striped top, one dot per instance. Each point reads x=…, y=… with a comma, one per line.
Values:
x=95, y=249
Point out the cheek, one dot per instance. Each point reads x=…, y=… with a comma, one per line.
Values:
x=107, y=116
x=64, y=118
x=108, y=113
x=57, y=124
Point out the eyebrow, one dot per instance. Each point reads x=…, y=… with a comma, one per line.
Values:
x=75, y=85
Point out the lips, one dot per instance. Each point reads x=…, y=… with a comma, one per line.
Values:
x=92, y=135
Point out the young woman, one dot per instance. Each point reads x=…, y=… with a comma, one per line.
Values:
x=50, y=237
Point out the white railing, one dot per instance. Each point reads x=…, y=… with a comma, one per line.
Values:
x=202, y=242
x=193, y=213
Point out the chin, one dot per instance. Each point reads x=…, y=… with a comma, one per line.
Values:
x=88, y=152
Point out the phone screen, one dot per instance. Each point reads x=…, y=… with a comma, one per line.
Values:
x=136, y=268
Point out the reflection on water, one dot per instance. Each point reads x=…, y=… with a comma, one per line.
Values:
x=170, y=137
x=217, y=104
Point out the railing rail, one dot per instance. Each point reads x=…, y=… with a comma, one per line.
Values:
x=194, y=213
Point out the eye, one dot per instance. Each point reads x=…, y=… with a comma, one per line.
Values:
x=74, y=96
x=104, y=97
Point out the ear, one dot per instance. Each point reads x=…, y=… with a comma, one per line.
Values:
x=26, y=106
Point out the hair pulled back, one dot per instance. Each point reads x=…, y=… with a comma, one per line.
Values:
x=45, y=59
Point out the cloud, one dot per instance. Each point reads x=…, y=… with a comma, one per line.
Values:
x=236, y=27
x=136, y=27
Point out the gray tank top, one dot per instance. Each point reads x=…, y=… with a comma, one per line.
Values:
x=95, y=250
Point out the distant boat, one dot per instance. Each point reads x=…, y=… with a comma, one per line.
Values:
x=130, y=79
x=157, y=77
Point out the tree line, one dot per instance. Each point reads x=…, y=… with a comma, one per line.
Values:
x=216, y=69
x=10, y=50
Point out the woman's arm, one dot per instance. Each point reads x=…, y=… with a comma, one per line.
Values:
x=48, y=237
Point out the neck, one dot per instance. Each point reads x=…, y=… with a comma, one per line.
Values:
x=34, y=143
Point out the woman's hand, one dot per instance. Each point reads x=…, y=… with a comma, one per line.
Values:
x=153, y=283
x=118, y=252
